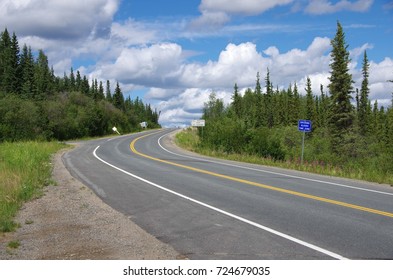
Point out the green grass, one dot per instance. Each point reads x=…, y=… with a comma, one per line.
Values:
x=25, y=168
x=369, y=171
x=14, y=244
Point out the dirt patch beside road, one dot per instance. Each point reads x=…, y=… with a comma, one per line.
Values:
x=70, y=222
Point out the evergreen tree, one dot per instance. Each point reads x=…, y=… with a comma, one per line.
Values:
x=93, y=92
x=15, y=74
x=249, y=108
x=108, y=94
x=291, y=106
x=66, y=82
x=237, y=101
x=341, y=112
x=389, y=135
x=310, y=107
x=324, y=106
x=296, y=105
x=72, y=80
x=363, y=116
x=118, y=98
x=85, y=87
x=269, y=101
x=7, y=70
x=42, y=77
x=101, y=95
x=78, y=80
x=391, y=81
x=259, y=108
x=27, y=72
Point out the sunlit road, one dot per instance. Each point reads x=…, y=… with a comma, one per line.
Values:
x=214, y=209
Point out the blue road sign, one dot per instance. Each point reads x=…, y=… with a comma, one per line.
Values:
x=304, y=125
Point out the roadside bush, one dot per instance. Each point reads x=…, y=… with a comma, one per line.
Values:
x=19, y=119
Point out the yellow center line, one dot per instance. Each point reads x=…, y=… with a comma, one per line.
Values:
x=281, y=190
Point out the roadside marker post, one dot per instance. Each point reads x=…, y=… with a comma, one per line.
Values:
x=143, y=125
x=115, y=130
x=198, y=123
x=304, y=126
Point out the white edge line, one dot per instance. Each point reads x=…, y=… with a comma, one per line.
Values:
x=270, y=172
x=275, y=232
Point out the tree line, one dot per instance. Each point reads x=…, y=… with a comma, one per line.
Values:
x=347, y=127
x=37, y=104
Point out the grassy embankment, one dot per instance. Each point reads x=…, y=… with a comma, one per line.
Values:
x=25, y=169
x=188, y=139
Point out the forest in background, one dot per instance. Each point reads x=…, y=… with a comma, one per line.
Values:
x=349, y=132
x=35, y=104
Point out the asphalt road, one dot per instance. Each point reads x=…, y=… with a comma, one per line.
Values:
x=214, y=209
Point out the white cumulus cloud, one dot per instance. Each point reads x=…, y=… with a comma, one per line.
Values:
x=246, y=7
x=149, y=66
x=319, y=7
x=71, y=19
x=215, y=13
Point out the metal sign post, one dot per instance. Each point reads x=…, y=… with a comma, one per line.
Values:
x=304, y=126
x=198, y=123
x=115, y=130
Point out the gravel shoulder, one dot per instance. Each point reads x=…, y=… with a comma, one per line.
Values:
x=70, y=222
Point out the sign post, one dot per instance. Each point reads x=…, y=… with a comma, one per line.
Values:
x=198, y=123
x=304, y=126
x=143, y=125
x=115, y=130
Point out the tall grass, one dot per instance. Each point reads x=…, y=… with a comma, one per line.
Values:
x=25, y=169
x=367, y=170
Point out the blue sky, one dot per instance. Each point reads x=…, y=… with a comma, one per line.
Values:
x=174, y=53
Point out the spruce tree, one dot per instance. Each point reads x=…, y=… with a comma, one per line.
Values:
x=108, y=94
x=391, y=81
x=341, y=111
x=296, y=105
x=16, y=80
x=66, y=82
x=7, y=71
x=78, y=80
x=259, y=108
x=269, y=101
x=363, y=99
x=42, y=77
x=27, y=72
x=291, y=106
x=118, y=98
x=237, y=101
x=310, y=107
x=85, y=87
x=101, y=91
x=321, y=108
x=72, y=80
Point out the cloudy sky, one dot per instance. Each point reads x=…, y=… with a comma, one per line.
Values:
x=174, y=53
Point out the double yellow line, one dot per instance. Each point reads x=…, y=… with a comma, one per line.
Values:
x=281, y=190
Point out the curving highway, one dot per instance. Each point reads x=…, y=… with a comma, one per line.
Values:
x=214, y=209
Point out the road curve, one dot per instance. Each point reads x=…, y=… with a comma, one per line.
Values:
x=214, y=209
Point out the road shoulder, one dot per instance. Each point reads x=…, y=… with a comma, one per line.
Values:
x=70, y=222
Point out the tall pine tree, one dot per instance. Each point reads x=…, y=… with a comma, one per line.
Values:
x=310, y=107
x=237, y=101
x=118, y=98
x=269, y=101
x=7, y=63
x=341, y=111
x=363, y=117
x=27, y=72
